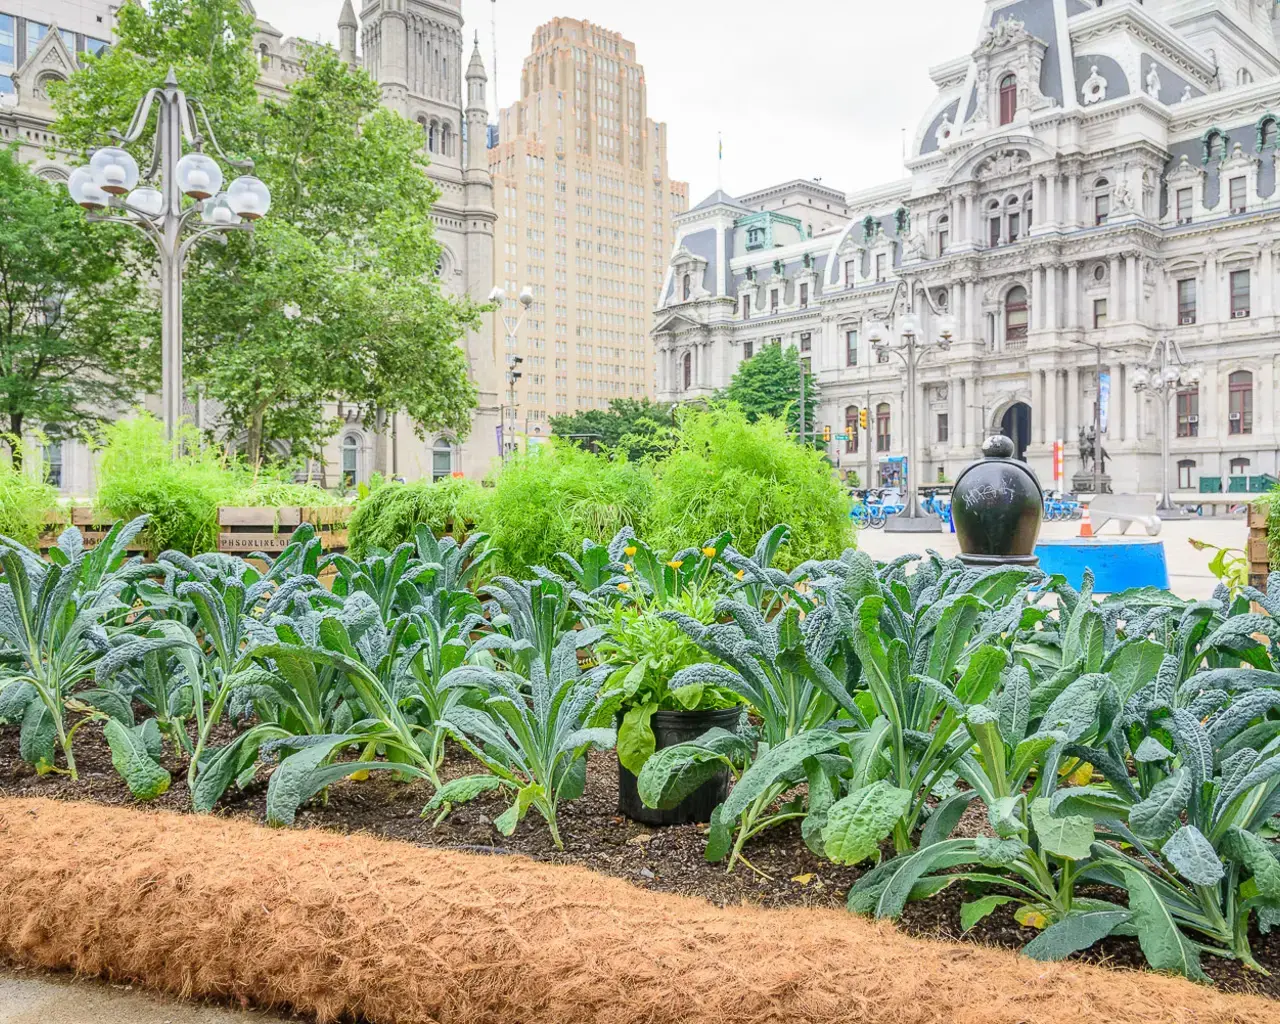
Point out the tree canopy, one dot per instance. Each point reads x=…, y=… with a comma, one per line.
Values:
x=77, y=325
x=636, y=426
x=768, y=384
x=334, y=297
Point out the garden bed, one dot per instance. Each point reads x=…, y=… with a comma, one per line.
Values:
x=354, y=927
x=669, y=860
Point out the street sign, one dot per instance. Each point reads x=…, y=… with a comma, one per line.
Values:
x=842, y=437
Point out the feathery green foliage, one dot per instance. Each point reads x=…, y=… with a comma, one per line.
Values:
x=24, y=496
x=391, y=514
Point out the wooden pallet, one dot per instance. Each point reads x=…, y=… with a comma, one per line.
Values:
x=1257, y=550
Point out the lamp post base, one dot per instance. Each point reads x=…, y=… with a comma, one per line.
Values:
x=1172, y=512
x=921, y=524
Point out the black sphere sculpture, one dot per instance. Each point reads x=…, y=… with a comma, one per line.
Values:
x=997, y=505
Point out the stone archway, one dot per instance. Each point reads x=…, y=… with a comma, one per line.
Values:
x=1016, y=425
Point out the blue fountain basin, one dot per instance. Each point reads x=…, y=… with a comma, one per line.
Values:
x=1118, y=563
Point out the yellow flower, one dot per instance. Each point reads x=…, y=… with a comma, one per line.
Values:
x=676, y=564
x=709, y=552
x=629, y=567
x=740, y=574
x=624, y=586
x=629, y=552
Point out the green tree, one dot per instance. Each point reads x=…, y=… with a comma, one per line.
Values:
x=636, y=426
x=335, y=296
x=77, y=328
x=768, y=384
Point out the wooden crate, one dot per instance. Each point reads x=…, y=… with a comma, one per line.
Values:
x=242, y=531
x=331, y=525
x=1257, y=548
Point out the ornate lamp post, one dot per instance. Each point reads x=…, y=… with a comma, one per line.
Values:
x=110, y=189
x=511, y=325
x=901, y=341
x=1166, y=371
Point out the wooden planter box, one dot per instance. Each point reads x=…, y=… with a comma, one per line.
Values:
x=93, y=528
x=1257, y=549
x=242, y=531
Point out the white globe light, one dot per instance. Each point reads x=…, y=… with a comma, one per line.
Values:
x=1171, y=374
x=147, y=201
x=1139, y=379
x=875, y=334
x=248, y=197
x=947, y=328
x=199, y=176
x=910, y=325
x=114, y=170
x=84, y=191
x=216, y=213
x=497, y=295
x=526, y=297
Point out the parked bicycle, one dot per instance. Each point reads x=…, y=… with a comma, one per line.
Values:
x=1060, y=507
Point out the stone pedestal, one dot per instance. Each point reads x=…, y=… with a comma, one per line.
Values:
x=1082, y=483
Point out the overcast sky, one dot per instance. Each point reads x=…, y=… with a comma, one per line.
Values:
x=800, y=90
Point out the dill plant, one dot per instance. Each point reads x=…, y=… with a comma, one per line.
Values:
x=25, y=497
x=391, y=514
x=728, y=474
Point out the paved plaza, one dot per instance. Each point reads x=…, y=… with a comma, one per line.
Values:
x=1189, y=574
x=33, y=997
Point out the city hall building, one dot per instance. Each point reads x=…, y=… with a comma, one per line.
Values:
x=1092, y=177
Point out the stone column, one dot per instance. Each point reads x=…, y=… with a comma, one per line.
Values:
x=1053, y=215
x=1073, y=404
x=1114, y=311
x=1266, y=286
x=1053, y=385
x=975, y=332
x=1129, y=420
x=1051, y=298
x=1073, y=295
x=1072, y=218
x=1131, y=288
x=1034, y=299
x=979, y=414
x=1208, y=297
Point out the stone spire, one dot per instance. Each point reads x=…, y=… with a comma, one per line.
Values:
x=477, y=111
x=347, y=28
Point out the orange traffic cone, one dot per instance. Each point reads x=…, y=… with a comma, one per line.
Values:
x=1086, y=525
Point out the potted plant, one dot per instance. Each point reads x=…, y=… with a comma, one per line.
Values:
x=645, y=650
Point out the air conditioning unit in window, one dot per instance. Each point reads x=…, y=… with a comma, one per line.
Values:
x=1239, y=314
x=1187, y=320
x=1234, y=416
x=1184, y=220
x=1239, y=209
x=1193, y=419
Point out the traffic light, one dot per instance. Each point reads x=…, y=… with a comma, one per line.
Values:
x=512, y=374
x=862, y=418
x=826, y=434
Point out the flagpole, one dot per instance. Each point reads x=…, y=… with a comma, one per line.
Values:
x=720, y=162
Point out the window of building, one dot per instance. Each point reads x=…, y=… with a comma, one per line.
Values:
x=806, y=341
x=748, y=349
x=850, y=348
x=1238, y=202
x=1008, y=98
x=804, y=294
x=1184, y=205
x=53, y=463
x=6, y=86
x=1240, y=403
x=851, y=429
x=1026, y=210
x=1187, y=300
x=882, y=427
x=1101, y=202
x=1185, y=469
x=1268, y=133
x=442, y=460
x=850, y=272
x=1189, y=412
x=880, y=265
x=746, y=307
x=944, y=234
x=95, y=46
x=1015, y=314
x=688, y=370
x=1099, y=313
x=7, y=40
x=1239, y=293
x=687, y=287
x=1015, y=227
x=944, y=428
x=993, y=226
x=773, y=300
x=35, y=33
x=1239, y=466
x=350, y=460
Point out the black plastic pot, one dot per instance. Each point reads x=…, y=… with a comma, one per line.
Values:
x=670, y=728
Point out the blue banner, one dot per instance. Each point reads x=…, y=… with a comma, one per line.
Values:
x=1104, y=399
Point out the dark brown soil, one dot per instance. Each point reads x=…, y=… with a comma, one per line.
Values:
x=782, y=872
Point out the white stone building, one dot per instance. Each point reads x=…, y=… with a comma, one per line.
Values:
x=414, y=49
x=1090, y=174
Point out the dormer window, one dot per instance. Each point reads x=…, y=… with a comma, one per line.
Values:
x=687, y=287
x=1008, y=98
x=755, y=238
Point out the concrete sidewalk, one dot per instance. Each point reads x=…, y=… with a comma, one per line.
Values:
x=34, y=997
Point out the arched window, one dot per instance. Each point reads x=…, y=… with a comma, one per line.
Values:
x=995, y=223
x=264, y=55
x=1015, y=314
x=350, y=460
x=851, y=429
x=687, y=366
x=1240, y=403
x=53, y=463
x=442, y=460
x=1267, y=133
x=1015, y=219
x=1244, y=76
x=446, y=140
x=944, y=233
x=1101, y=201
x=687, y=287
x=1240, y=466
x=432, y=137
x=1008, y=98
x=883, y=438
x=1185, y=469
x=1026, y=210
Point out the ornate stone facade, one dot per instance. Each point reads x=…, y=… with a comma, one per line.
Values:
x=1045, y=214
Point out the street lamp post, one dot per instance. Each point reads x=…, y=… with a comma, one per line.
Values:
x=511, y=325
x=902, y=343
x=111, y=190
x=1097, y=416
x=1167, y=370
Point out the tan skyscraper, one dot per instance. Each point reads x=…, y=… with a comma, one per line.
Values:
x=585, y=207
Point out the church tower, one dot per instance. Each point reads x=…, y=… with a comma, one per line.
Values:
x=347, y=29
